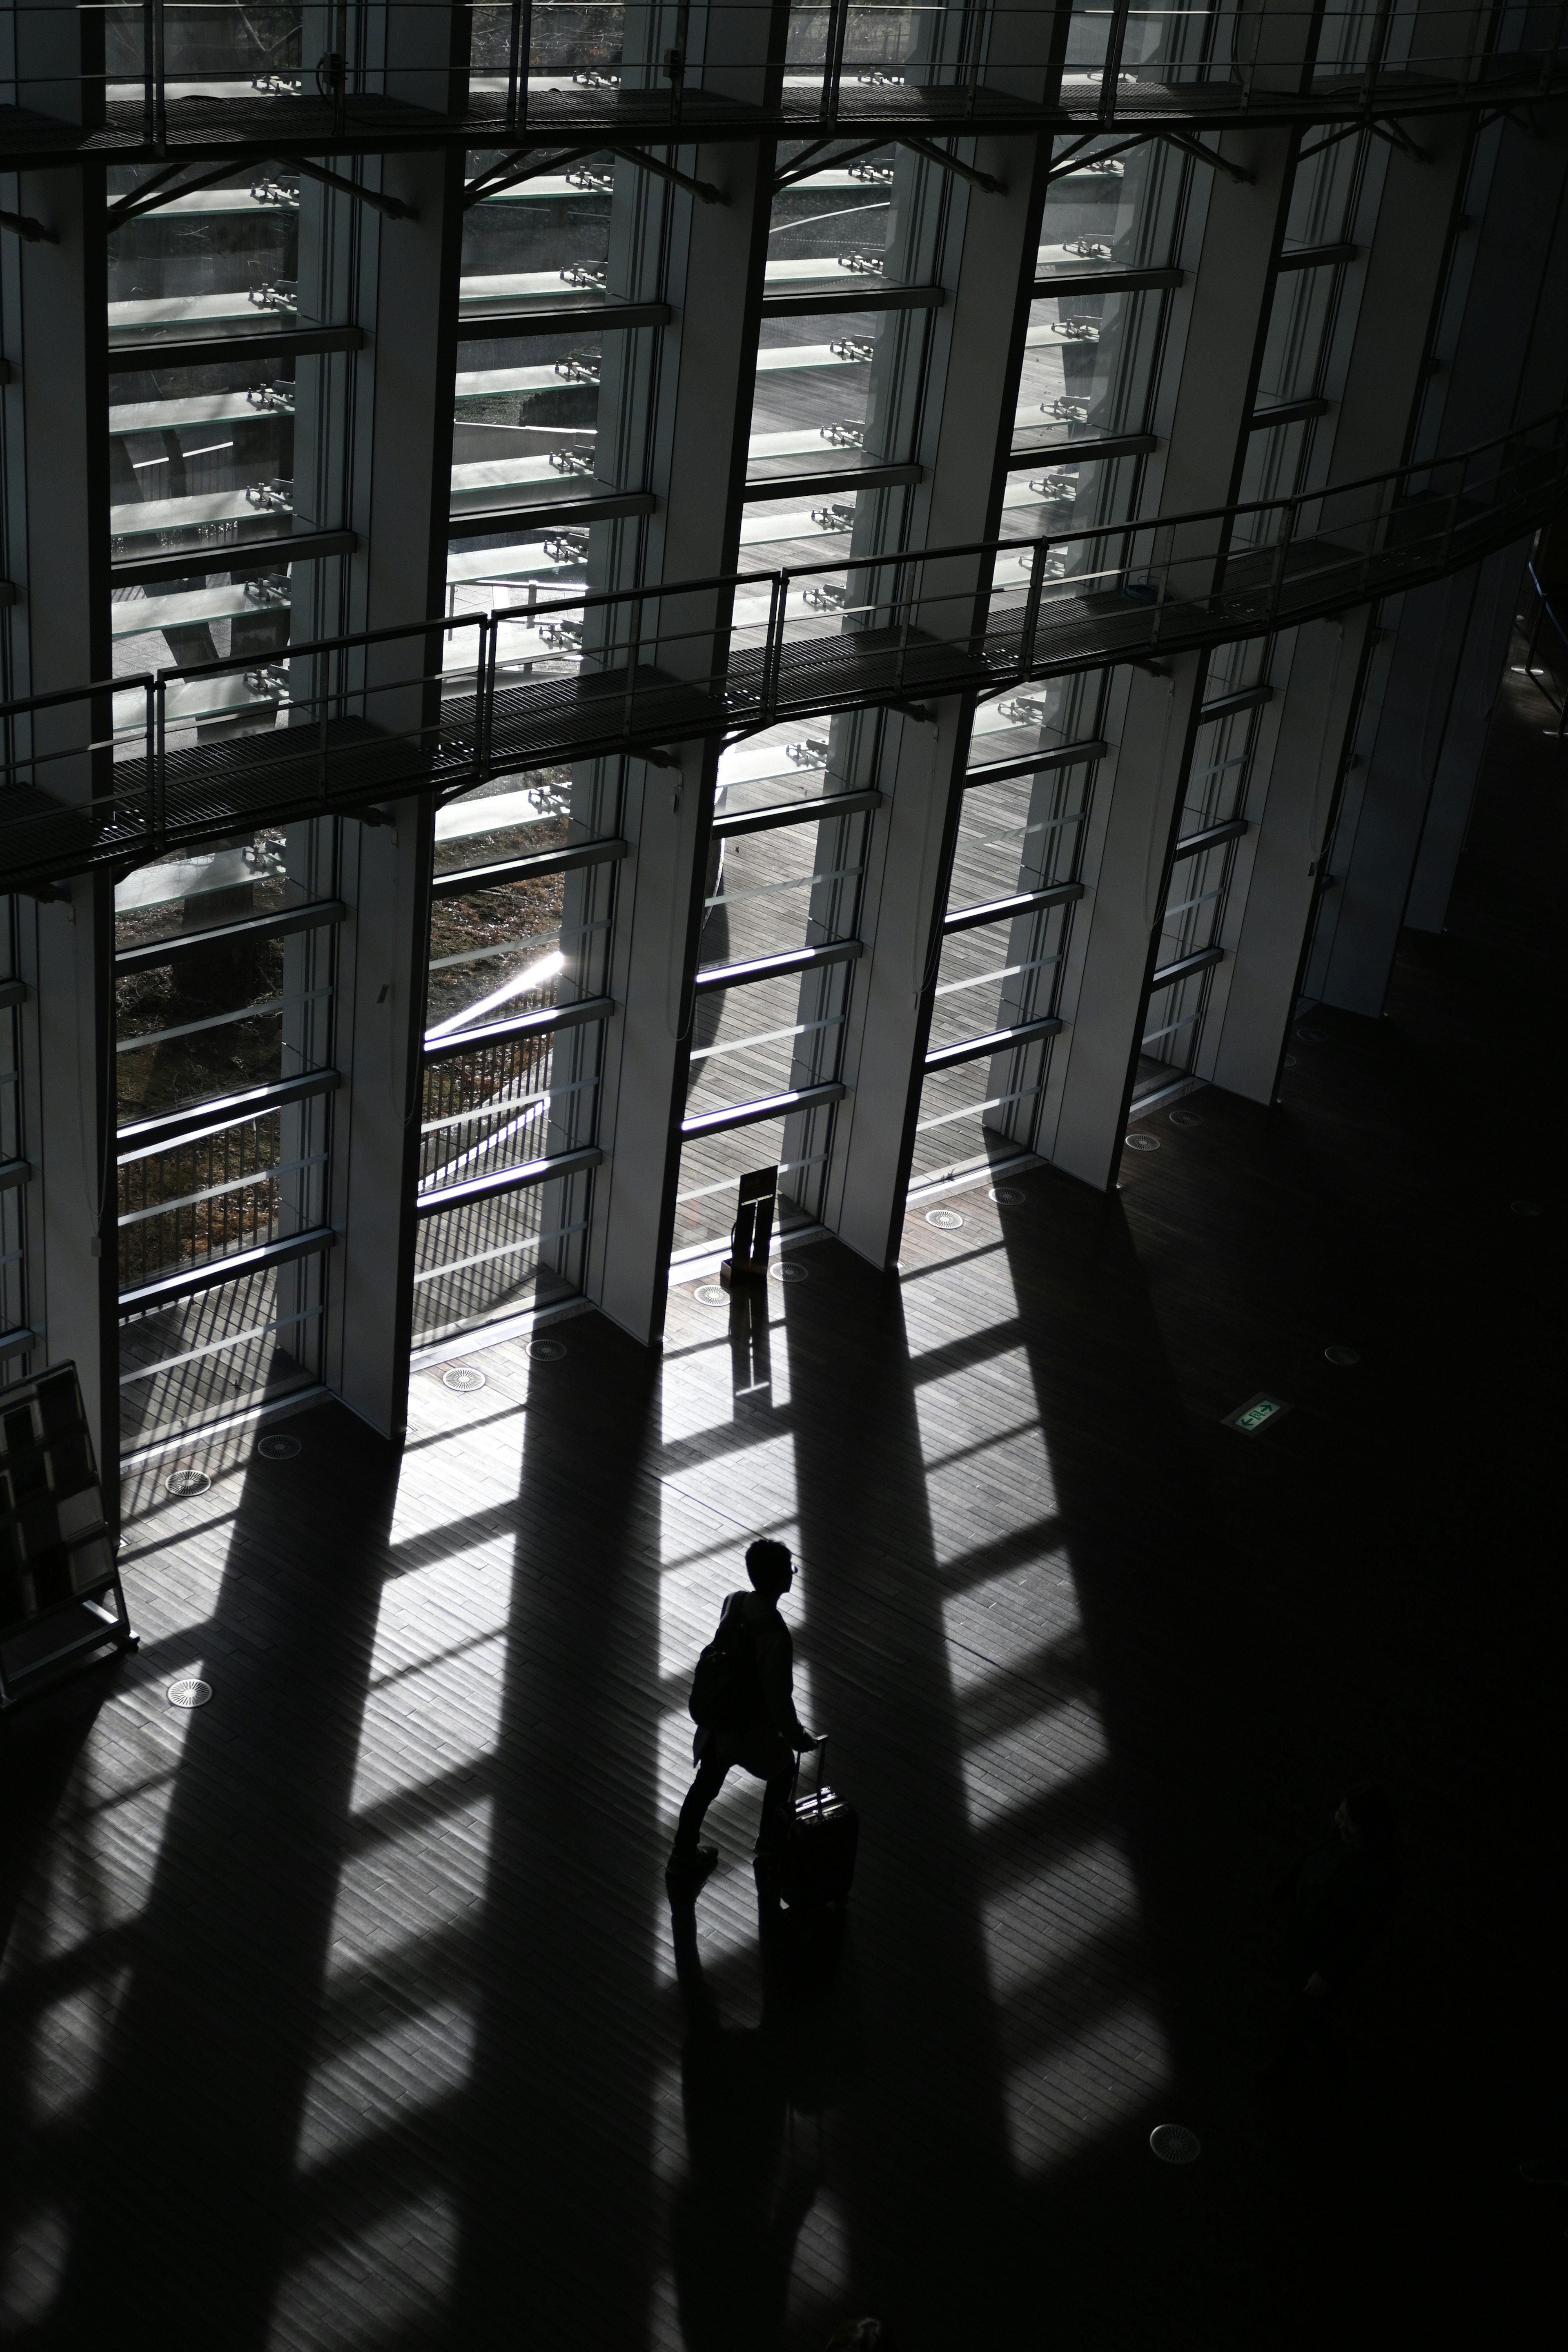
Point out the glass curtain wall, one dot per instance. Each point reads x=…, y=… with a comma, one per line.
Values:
x=1298, y=375
x=775, y=963
x=1093, y=344
x=225, y=980
x=520, y=915
x=1213, y=820
x=1028, y=791
x=216, y=464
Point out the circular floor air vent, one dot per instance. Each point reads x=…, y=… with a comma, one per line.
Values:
x=546, y=1352
x=464, y=1378
x=946, y=1221
x=1142, y=1143
x=1341, y=1355
x=1525, y=1208
x=787, y=1270
x=1186, y=1119
x=1312, y=1037
x=186, y=1482
x=1174, y=2144
x=190, y=1693
x=710, y=1294
x=1007, y=1196
x=278, y=1449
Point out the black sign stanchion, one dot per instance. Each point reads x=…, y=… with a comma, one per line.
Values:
x=62, y=1605
x=753, y=1229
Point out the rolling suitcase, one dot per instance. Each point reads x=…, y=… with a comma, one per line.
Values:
x=817, y=1861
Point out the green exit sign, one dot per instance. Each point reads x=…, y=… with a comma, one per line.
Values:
x=1259, y=1412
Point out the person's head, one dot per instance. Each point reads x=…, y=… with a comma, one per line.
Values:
x=770, y=1567
x=1365, y=1816
x=861, y=2336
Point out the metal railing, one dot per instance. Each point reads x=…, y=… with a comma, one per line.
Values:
x=536, y=66
x=116, y=771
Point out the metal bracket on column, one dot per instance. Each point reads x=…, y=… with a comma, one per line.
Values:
x=31, y=231
x=703, y=190
x=1398, y=139
x=951, y=163
x=1202, y=154
x=659, y=759
x=154, y=193
x=393, y=207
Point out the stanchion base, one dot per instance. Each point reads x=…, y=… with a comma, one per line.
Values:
x=742, y=1276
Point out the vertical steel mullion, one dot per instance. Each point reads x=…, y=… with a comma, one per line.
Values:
x=634, y=642
x=773, y=656
x=1115, y=42
x=833, y=61
x=160, y=759
x=160, y=81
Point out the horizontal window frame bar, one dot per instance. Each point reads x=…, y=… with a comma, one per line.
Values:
x=812, y=812
x=16, y=1343
x=811, y=486
x=1000, y=1041
x=1223, y=706
x=1106, y=281
x=779, y=967
x=753, y=1114
x=209, y=351
x=149, y=1135
x=13, y=991
x=612, y=507
x=605, y=318
x=1186, y=966
x=437, y=1201
x=843, y=302
x=262, y=554
x=1316, y=257
x=14, y=1172
x=1113, y=444
x=999, y=910
x=519, y=869
x=211, y=1277
x=317, y=914
x=1288, y=412
x=1210, y=838
x=1066, y=755
x=522, y=1024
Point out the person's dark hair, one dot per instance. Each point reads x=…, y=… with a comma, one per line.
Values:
x=861, y=2336
x=768, y=1564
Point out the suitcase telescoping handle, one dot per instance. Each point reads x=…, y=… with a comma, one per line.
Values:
x=821, y=1771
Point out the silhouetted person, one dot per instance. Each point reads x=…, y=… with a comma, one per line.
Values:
x=1340, y=1894
x=767, y=1740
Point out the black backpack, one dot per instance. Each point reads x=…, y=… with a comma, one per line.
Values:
x=725, y=1690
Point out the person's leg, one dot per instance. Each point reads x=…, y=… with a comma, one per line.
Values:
x=710, y=1776
x=777, y=1791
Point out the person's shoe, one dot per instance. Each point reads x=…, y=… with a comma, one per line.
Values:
x=689, y=1865
x=1546, y=2173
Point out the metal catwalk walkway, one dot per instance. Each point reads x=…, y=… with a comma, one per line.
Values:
x=149, y=122
x=374, y=716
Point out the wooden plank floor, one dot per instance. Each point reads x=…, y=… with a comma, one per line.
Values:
x=349, y=2010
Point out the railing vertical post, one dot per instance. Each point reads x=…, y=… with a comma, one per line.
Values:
x=1115, y=42
x=160, y=761
x=833, y=62
x=903, y=604
x=1032, y=608
x=633, y=646
x=778, y=611
x=150, y=738
x=520, y=45
x=490, y=645
x=317, y=677
x=160, y=81
x=1276, y=586
x=1376, y=47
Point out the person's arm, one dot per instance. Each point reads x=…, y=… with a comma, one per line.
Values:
x=775, y=1672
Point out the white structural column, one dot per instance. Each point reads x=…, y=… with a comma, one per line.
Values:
x=1282, y=872
x=701, y=401
x=983, y=250
x=1217, y=334
x=399, y=493
x=1500, y=357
